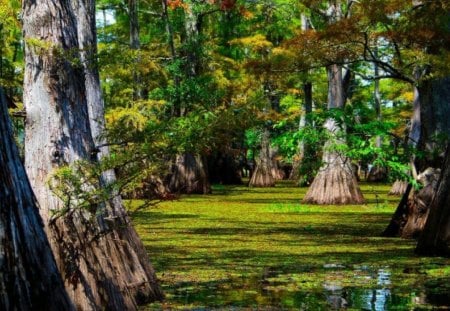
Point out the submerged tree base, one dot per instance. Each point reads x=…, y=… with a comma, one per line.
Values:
x=262, y=177
x=334, y=184
x=399, y=187
x=189, y=175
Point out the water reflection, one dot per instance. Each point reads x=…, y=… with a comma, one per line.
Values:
x=355, y=288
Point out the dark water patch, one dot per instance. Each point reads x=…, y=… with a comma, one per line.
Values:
x=356, y=288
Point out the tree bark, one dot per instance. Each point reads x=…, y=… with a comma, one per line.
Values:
x=419, y=203
x=429, y=120
x=399, y=187
x=95, y=252
x=262, y=175
x=114, y=208
x=435, y=238
x=189, y=175
x=28, y=272
x=335, y=182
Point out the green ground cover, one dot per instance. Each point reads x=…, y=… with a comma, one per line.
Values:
x=255, y=248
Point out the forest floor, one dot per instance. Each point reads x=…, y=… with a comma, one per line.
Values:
x=252, y=248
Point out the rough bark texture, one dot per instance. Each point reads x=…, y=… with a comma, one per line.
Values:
x=399, y=187
x=95, y=253
x=28, y=271
x=189, y=175
x=399, y=218
x=429, y=120
x=113, y=209
x=335, y=183
x=262, y=175
x=419, y=202
x=435, y=239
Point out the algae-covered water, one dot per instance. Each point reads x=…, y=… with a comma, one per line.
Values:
x=261, y=249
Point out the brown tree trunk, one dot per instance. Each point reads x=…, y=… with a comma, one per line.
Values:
x=114, y=208
x=28, y=272
x=399, y=187
x=399, y=219
x=419, y=202
x=93, y=250
x=335, y=182
x=435, y=239
x=262, y=175
x=189, y=175
x=430, y=120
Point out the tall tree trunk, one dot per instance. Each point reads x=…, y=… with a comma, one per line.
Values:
x=430, y=120
x=377, y=173
x=400, y=216
x=28, y=272
x=135, y=45
x=435, y=238
x=189, y=171
x=305, y=120
x=93, y=251
x=114, y=208
x=335, y=182
x=262, y=175
x=176, y=106
x=303, y=164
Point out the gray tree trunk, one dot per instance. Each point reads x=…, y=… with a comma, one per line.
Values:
x=93, y=250
x=28, y=272
x=335, y=182
x=377, y=173
x=114, y=208
x=262, y=175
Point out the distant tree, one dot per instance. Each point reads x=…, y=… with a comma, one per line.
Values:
x=335, y=182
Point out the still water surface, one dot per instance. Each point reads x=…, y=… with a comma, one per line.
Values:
x=367, y=288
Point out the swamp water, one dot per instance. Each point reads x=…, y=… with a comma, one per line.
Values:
x=364, y=288
x=260, y=249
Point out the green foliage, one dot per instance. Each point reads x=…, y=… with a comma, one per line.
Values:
x=78, y=188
